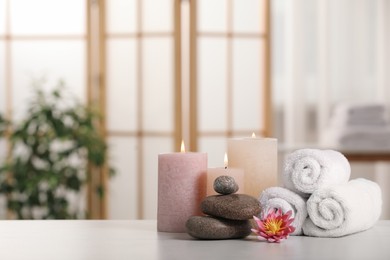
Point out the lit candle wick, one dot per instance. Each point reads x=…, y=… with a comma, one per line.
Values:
x=225, y=160
x=182, y=148
x=253, y=135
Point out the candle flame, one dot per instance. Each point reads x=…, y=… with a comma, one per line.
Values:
x=225, y=160
x=253, y=135
x=182, y=147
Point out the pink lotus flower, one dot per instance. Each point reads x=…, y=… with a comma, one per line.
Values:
x=275, y=227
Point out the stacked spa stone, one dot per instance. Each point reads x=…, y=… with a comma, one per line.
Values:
x=229, y=214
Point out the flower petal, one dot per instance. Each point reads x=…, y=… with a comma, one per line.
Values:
x=275, y=226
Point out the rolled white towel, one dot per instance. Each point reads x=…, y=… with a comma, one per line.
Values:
x=307, y=170
x=286, y=200
x=343, y=209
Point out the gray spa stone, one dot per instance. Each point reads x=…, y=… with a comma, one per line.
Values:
x=225, y=185
x=233, y=206
x=205, y=227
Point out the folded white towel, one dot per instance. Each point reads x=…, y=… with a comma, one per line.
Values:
x=365, y=138
x=357, y=138
x=343, y=209
x=286, y=200
x=307, y=170
x=360, y=110
x=340, y=121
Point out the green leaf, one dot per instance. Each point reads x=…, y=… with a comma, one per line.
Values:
x=38, y=168
x=100, y=191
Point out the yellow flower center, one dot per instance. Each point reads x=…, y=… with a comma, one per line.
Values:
x=273, y=226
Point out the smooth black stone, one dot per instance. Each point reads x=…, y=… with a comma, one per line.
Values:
x=233, y=206
x=205, y=227
x=225, y=185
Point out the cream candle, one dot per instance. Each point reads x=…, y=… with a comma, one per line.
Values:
x=181, y=188
x=258, y=157
x=213, y=173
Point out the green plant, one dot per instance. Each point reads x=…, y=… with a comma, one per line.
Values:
x=51, y=150
x=3, y=125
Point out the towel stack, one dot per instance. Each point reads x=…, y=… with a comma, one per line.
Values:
x=358, y=126
x=323, y=200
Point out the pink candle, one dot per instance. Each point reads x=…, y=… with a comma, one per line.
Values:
x=213, y=173
x=181, y=188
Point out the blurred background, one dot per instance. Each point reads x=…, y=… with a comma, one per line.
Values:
x=159, y=71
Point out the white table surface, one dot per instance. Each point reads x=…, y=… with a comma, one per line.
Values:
x=133, y=240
